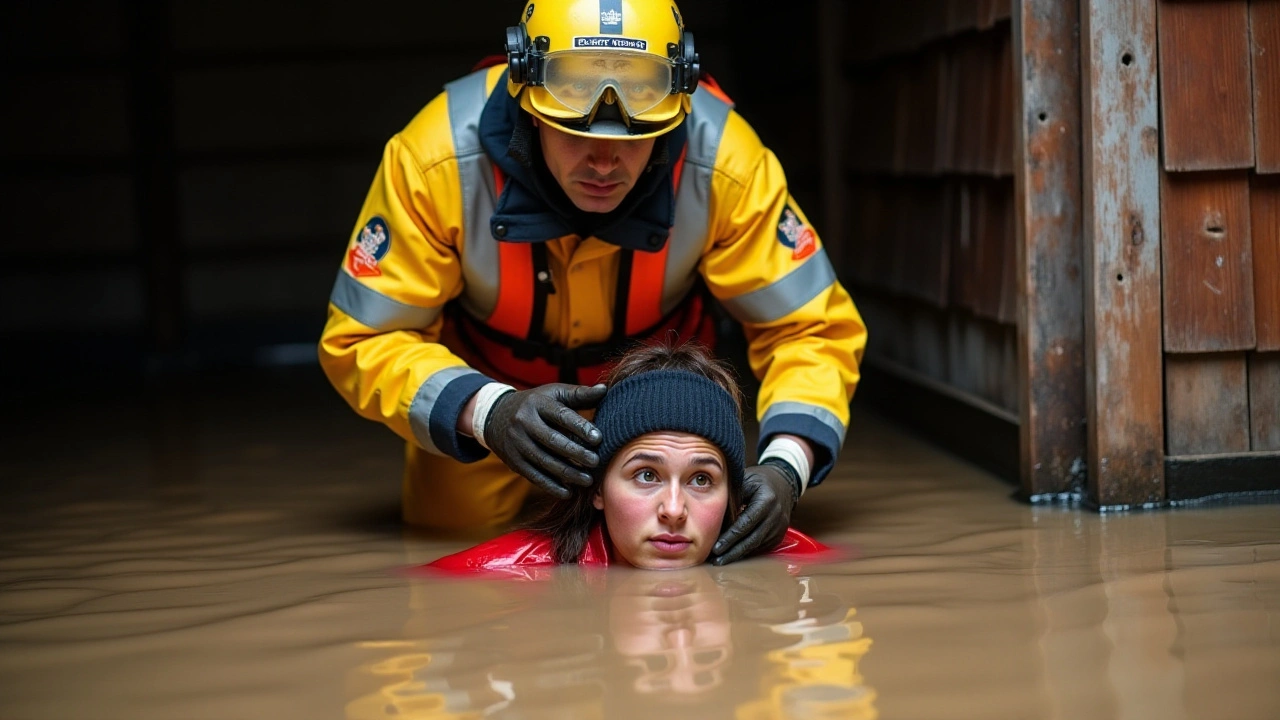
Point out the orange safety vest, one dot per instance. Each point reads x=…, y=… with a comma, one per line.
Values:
x=510, y=347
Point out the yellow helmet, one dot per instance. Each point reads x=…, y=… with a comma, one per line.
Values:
x=622, y=69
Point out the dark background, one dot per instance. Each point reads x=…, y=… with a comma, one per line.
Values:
x=180, y=179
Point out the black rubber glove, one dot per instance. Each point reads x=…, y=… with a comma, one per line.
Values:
x=770, y=491
x=537, y=434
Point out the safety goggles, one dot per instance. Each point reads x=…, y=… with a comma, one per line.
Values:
x=578, y=79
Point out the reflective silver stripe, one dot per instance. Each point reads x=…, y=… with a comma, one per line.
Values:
x=693, y=203
x=372, y=308
x=424, y=401
x=822, y=415
x=786, y=295
x=479, y=250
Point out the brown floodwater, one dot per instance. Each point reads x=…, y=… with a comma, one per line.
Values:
x=232, y=551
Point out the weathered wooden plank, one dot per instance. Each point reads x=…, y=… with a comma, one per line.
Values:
x=1264, y=202
x=949, y=110
x=983, y=158
x=900, y=251
x=1004, y=118
x=1051, y=373
x=1121, y=201
x=921, y=128
x=991, y=255
x=1205, y=94
x=1264, y=33
x=1264, y=401
x=1208, y=267
x=1206, y=404
x=929, y=242
x=971, y=85
x=963, y=273
x=1008, y=310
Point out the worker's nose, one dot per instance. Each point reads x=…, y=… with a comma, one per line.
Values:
x=602, y=156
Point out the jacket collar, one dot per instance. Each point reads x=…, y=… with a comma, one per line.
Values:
x=533, y=207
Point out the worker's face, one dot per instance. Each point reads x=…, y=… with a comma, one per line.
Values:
x=596, y=174
x=664, y=497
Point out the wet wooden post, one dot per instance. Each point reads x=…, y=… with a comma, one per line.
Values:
x=1051, y=374
x=1121, y=197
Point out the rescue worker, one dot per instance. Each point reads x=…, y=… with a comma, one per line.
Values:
x=541, y=215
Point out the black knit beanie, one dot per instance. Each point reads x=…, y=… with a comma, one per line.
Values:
x=671, y=401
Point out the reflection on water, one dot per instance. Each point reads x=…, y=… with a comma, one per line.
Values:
x=191, y=559
x=752, y=641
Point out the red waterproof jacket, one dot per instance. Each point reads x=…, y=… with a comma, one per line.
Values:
x=517, y=552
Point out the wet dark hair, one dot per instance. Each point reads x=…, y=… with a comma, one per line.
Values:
x=569, y=521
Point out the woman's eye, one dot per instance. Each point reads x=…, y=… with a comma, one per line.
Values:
x=701, y=481
x=647, y=476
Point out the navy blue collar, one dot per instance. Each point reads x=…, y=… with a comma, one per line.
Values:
x=533, y=207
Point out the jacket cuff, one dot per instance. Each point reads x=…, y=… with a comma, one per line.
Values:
x=442, y=424
x=823, y=440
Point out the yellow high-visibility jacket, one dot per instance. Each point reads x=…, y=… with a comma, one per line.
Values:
x=424, y=238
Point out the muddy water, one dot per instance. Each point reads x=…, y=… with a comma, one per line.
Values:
x=217, y=555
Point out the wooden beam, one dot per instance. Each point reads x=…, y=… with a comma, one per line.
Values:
x=1049, y=260
x=1121, y=201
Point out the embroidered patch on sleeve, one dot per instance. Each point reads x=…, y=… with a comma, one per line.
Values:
x=796, y=234
x=370, y=247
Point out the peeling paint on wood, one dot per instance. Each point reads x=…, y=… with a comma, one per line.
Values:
x=1050, y=317
x=1121, y=202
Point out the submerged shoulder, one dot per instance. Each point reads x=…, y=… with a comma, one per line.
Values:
x=796, y=543
x=520, y=548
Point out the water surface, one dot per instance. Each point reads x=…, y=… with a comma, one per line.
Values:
x=226, y=551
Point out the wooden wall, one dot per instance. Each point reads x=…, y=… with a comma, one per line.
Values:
x=1219, y=68
x=928, y=175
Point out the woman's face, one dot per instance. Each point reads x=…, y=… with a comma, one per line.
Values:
x=664, y=497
